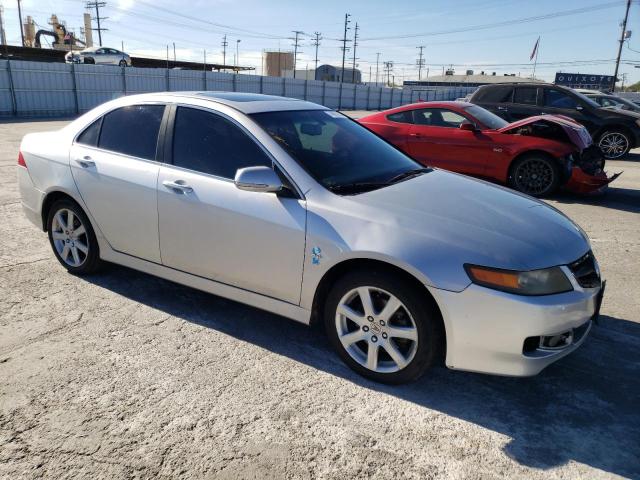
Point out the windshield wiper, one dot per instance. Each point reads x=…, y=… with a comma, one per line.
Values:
x=356, y=187
x=407, y=175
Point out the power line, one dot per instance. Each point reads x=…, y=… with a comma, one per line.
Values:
x=517, y=21
x=344, y=43
x=97, y=6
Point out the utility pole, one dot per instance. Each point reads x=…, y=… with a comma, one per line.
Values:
x=420, y=62
x=355, y=44
x=20, y=18
x=388, y=66
x=295, y=50
x=344, y=43
x=237, y=54
x=316, y=43
x=97, y=6
x=377, y=62
x=174, y=52
x=622, y=34
x=3, y=35
x=224, y=50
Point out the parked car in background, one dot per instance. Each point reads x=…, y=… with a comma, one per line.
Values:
x=615, y=131
x=99, y=56
x=535, y=156
x=613, y=101
x=296, y=209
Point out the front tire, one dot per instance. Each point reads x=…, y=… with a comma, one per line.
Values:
x=122, y=63
x=383, y=327
x=614, y=144
x=535, y=174
x=72, y=239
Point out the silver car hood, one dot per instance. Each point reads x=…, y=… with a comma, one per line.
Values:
x=440, y=220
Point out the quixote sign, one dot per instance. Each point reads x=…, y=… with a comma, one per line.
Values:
x=585, y=80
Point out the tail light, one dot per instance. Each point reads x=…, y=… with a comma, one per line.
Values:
x=21, y=161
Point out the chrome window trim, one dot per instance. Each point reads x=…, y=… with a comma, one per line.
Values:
x=245, y=130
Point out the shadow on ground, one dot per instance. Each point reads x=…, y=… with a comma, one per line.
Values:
x=584, y=408
x=625, y=199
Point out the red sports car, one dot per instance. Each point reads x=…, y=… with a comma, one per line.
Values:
x=536, y=155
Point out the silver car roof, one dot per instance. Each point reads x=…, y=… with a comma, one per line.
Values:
x=251, y=102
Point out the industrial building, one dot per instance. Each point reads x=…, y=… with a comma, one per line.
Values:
x=329, y=73
x=469, y=79
x=277, y=64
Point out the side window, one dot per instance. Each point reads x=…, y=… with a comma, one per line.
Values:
x=209, y=143
x=400, y=117
x=90, y=134
x=494, y=94
x=438, y=117
x=113, y=52
x=132, y=130
x=526, y=95
x=558, y=99
x=100, y=51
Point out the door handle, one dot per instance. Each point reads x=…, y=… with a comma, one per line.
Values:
x=415, y=134
x=179, y=186
x=504, y=109
x=85, y=162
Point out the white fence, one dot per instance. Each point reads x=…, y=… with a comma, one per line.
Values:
x=58, y=89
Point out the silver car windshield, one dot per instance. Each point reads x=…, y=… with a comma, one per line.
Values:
x=335, y=150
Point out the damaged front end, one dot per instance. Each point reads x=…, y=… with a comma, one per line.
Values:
x=584, y=169
x=587, y=172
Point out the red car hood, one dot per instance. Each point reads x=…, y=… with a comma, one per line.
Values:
x=578, y=134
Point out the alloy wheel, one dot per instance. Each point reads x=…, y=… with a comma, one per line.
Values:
x=613, y=144
x=376, y=329
x=534, y=176
x=70, y=238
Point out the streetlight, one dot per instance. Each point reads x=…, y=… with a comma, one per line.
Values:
x=237, y=52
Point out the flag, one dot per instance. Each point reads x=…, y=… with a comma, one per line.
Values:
x=535, y=49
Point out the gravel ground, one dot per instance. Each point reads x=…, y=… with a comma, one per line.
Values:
x=122, y=375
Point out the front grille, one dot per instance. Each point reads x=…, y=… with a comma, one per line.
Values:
x=585, y=271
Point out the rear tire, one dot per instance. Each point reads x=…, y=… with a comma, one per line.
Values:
x=122, y=63
x=72, y=239
x=389, y=345
x=614, y=144
x=535, y=174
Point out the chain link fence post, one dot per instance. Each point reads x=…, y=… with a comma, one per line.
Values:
x=14, y=101
x=75, y=87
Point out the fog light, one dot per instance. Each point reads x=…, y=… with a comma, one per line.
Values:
x=555, y=342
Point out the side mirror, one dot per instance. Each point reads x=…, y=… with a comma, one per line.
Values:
x=468, y=126
x=258, y=179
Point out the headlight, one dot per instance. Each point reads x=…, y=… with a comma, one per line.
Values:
x=534, y=282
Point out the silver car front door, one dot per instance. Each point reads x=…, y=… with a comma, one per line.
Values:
x=210, y=228
x=117, y=176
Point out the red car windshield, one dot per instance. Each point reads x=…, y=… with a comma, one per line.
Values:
x=485, y=117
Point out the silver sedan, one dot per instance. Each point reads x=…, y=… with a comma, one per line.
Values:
x=294, y=208
x=99, y=56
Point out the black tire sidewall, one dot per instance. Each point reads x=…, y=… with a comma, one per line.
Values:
x=428, y=323
x=92, y=261
x=533, y=156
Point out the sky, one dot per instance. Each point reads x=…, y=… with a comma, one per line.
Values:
x=577, y=36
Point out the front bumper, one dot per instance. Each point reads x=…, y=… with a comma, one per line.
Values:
x=487, y=329
x=581, y=182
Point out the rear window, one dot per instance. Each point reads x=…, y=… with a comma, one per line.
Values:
x=526, y=95
x=132, y=130
x=90, y=134
x=493, y=94
x=400, y=117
